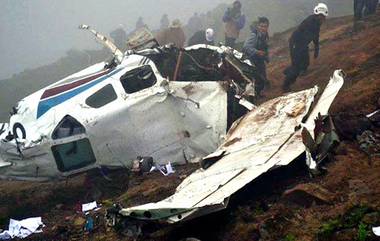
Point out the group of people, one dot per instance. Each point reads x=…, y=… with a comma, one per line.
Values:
x=175, y=34
x=256, y=47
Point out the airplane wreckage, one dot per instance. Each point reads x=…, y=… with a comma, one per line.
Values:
x=169, y=104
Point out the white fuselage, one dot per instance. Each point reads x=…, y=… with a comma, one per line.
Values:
x=170, y=121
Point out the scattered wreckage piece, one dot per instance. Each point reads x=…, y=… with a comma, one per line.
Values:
x=308, y=194
x=141, y=39
x=106, y=42
x=267, y=137
x=374, y=117
x=325, y=139
x=110, y=113
x=369, y=142
x=360, y=128
x=22, y=229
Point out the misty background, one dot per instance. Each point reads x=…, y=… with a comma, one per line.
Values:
x=38, y=32
x=40, y=42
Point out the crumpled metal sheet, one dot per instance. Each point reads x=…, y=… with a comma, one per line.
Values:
x=179, y=126
x=294, y=147
x=254, y=145
x=247, y=154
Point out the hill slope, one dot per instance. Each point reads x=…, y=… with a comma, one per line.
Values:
x=345, y=201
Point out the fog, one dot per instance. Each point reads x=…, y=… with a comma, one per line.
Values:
x=37, y=32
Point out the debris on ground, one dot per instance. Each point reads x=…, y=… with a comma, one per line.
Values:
x=349, y=125
x=166, y=170
x=89, y=206
x=324, y=141
x=369, y=142
x=309, y=194
x=142, y=165
x=23, y=228
x=352, y=177
x=376, y=231
x=375, y=118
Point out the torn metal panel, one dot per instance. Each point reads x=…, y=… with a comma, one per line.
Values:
x=106, y=42
x=253, y=146
x=294, y=147
x=261, y=132
x=325, y=139
x=141, y=39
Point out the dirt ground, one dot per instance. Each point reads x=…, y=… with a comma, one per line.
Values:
x=341, y=204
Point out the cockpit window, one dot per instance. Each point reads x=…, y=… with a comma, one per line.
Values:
x=102, y=97
x=68, y=127
x=138, y=79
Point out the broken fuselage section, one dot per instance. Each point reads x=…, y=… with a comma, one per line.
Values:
x=267, y=137
x=110, y=113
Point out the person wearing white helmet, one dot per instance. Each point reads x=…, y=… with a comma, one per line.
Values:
x=202, y=37
x=210, y=36
x=307, y=32
x=321, y=8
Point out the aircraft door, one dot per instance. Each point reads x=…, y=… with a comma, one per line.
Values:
x=71, y=149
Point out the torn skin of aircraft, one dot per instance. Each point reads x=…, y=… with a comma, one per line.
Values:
x=267, y=137
x=110, y=113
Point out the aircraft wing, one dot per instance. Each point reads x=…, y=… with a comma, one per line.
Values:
x=267, y=137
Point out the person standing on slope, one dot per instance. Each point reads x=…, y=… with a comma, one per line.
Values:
x=307, y=31
x=256, y=49
x=235, y=21
x=358, y=9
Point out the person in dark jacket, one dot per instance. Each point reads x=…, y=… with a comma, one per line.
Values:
x=358, y=9
x=371, y=6
x=202, y=37
x=256, y=49
x=234, y=21
x=307, y=32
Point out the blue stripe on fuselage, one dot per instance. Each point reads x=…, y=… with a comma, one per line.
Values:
x=45, y=105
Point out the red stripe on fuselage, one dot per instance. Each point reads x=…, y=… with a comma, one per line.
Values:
x=63, y=88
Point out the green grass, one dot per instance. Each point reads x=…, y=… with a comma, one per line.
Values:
x=362, y=232
x=290, y=237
